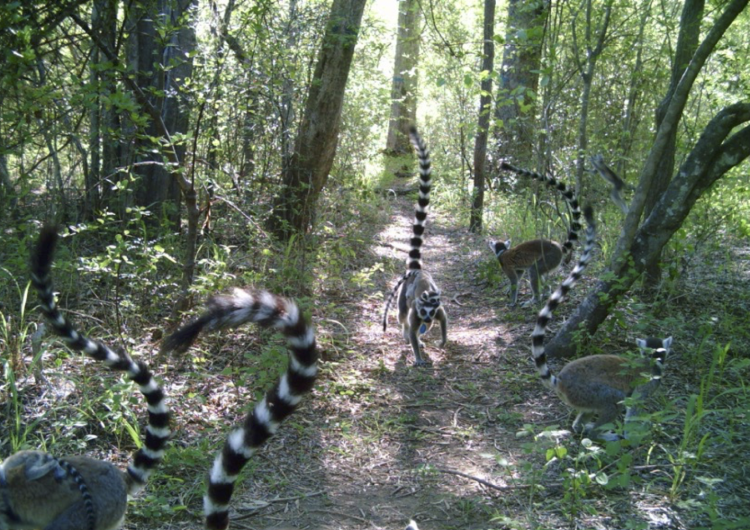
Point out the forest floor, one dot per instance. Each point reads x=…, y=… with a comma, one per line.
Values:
x=451, y=445
x=471, y=442
x=390, y=440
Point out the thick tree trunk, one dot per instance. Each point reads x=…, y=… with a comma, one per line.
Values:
x=317, y=138
x=522, y=55
x=483, y=125
x=404, y=86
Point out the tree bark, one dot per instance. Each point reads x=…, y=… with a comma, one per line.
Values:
x=161, y=68
x=315, y=146
x=175, y=163
x=404, y=85
x=519, y=76
x=671, y=118
x=483, y=123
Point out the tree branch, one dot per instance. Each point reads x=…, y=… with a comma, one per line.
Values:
x=715, y=153
x=671, y=119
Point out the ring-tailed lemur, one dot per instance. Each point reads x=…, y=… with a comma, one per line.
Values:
x=539, y=256
x=267, y=310
x=596, y=384
x=35, y=487
x=419, y=300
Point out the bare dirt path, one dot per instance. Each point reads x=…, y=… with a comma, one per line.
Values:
x=381, y=442
x=385, y=441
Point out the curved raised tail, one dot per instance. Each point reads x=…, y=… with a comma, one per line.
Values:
x=567, y=194
x=157, y=431
x=270, y=311
x=545, y=315
x=414, y=262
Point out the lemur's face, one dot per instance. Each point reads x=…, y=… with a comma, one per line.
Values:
x=498, y=247
x=427, y=305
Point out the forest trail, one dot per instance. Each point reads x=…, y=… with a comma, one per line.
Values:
x=389, y=440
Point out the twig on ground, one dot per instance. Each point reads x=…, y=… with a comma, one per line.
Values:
x=480, y=480
x=455, y=298
x=342, y=514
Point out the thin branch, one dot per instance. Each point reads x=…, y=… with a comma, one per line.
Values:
x=482, y=481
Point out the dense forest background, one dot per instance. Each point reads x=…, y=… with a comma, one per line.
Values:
x=185, y=147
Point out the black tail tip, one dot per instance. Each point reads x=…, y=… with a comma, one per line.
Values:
x=48, y=235
x=41, y=257
x=181, y=340
x=506, y=166
x=588, y=214
x=413, y=129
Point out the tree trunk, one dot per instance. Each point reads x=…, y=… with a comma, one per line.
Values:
x=287, y=114
x=636, y=93
x=175, y=163
x=483, y=125
x=519, y=76
x=8, y=201
x=317, y=138
x=712, y=156
x=404, y=86
x=687, y=42
x=161, y=69
x=102, y=144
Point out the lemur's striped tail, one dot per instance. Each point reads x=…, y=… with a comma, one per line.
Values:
x=568, y=195
x=414, y=262
x=545, y=315
x=157, y=431
x=267, y=310
x=425, y=171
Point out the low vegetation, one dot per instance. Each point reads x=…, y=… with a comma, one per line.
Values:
x=474, y=441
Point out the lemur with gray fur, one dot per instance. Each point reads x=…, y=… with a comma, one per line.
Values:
x=41, y=491
x=419, y=302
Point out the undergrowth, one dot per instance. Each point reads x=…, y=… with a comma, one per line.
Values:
x=116, y=282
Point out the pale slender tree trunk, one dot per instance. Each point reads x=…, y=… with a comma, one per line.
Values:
x=631, y=116
x=404, y=85
x=288, y=114
x=48, y=129
x=586, y=64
